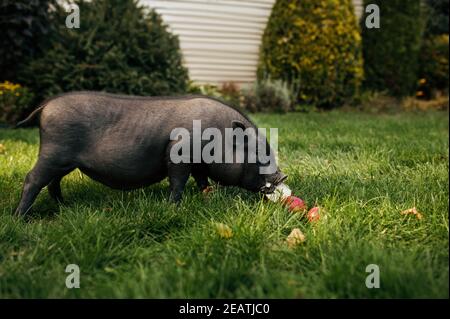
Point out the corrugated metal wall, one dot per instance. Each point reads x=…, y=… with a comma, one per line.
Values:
x=219, y=38
x=358, y=4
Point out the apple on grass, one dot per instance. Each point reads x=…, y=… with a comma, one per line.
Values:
x=295, y=204
x=313, y=214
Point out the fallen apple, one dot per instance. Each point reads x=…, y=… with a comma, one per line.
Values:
x=313, y=214
x=295, y=204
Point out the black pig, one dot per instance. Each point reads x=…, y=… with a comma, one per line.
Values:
x=124, y=142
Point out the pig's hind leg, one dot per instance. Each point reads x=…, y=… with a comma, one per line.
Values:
x=54, y=188
x=44, y=172
x=178, y=174
x=200, y=175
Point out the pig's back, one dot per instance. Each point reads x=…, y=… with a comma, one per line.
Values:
x=95, y=110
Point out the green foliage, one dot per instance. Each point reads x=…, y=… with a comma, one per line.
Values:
x=228, y=92
x=264, y=96
x=118, y=48
x=25, y=26
x=231, y=93
x=437, y=17
x=433, y=58
x=434, y=69
x=316, y=46
x=14, y=99
x=391, y=52
x=267, y=96
x=205, y=89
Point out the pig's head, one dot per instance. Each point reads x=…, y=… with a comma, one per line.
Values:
x=262, y=174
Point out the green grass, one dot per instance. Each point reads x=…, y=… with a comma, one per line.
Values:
x=362, y=169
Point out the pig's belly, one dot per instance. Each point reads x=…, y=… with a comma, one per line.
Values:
x=123, y=173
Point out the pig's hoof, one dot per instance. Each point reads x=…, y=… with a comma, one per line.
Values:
x=18, y=213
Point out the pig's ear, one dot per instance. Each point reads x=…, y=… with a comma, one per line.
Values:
x=236, y=124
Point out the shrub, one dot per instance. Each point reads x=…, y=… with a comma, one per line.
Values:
x=377, y=102
x=25, y=26
x=391, y=52
x=230, y=93
x=248, y=100
x=119, y=47
x=14, y=99
x=433, y=70
x=267, y=96
x=316, y=46
x=433, y=57
x=437, y=17
x=204, y=89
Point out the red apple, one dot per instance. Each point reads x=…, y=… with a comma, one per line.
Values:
x=295, y=204
x=313, y=214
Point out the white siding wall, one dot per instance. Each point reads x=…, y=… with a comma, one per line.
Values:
x=358, y=4
x=219, y=38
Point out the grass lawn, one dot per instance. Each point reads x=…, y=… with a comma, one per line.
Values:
x=362, y=169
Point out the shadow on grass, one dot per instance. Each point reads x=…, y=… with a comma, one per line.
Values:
x=88, y=195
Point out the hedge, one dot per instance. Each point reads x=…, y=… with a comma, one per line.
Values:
x=119, y=47
x=25, y=26
x=315, y=46
x=391, y=52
